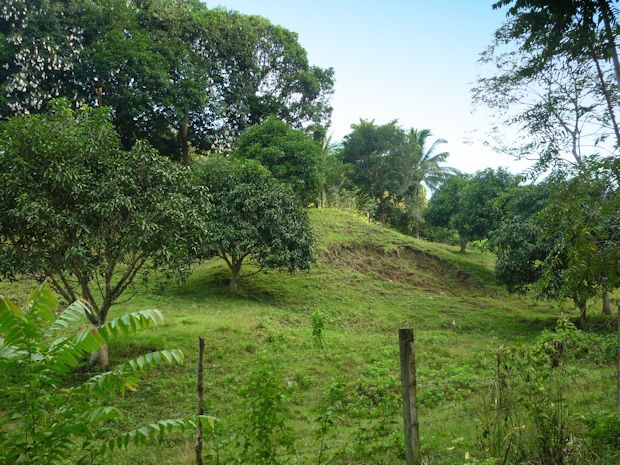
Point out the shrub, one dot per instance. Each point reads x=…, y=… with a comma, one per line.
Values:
x=265, y=435
x=45, y=418
x=318, y=320
x=253, y=216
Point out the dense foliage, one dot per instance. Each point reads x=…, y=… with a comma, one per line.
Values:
x=290, y=155
x=175, y=72
x=556, y=80
x=468, y=204
x=391, y=166
x=88, y=203
x=89, y=216
x=42, y=423
x=253, y=216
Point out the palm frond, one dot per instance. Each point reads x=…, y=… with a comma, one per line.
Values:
x=429, y=153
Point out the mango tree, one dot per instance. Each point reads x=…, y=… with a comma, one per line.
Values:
x=88, y=216
x=253, y=216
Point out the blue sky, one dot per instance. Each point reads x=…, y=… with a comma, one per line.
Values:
x=411, y=60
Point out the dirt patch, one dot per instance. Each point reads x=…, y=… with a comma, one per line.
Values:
x=403, y=264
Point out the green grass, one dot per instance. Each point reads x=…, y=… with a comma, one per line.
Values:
x=369, y=282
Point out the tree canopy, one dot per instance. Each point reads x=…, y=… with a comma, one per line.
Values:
x=392, y=165
x=289, y=154
x=86, y=214
x=175, y=72
x=556, y=81
x=253, y=215
x=468, y=203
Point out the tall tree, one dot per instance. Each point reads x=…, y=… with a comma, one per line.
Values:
x=469, y=204
x=518, y=241
x=176, y=73
x=557, y=112
x=428, y=173
x=87, y=215
x=551, y=27
x=583, y=215
x=427, y=168
x=444, y=208
x=554, y=81
x=561, y=237
x=381, y=162
x=289, y=154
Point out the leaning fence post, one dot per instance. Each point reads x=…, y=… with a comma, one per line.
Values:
x=410, y=403
x=200, y=388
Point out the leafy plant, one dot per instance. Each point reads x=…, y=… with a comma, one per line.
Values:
x=89, y=216
x=47, y=417
x=253, y=216
x=290, y=155
x=318, y=320
x=531, y=420
x=265, y=435
x=331, y=407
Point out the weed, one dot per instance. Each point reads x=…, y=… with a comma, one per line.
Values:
x=318, y=319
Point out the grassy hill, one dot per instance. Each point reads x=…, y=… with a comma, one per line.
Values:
x=369, y=281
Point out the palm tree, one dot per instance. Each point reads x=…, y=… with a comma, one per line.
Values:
x=427, y=169
x=427, y=173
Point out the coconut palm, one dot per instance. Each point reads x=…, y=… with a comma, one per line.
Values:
x=426, y=172
x=427, y=169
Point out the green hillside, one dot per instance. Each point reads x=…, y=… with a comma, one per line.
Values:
x=369, y=281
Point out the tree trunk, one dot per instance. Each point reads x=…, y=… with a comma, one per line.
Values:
x=605, y=12
x=618, y=367
x=100, y=357
x=234, y=278
x=463, y=243
x=607, y=96
x=582, y=315
x=607, y=303
x=184, y=140
x=99, y=91
x=381, y=213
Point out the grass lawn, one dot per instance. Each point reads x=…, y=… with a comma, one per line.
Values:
x=369, y=282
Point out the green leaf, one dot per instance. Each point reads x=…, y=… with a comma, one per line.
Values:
x=130, y=323
x=154, y=431
x=75, y=313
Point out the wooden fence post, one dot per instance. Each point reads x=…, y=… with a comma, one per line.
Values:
x=410, y=403
x=200, y=387
x=618, y=367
